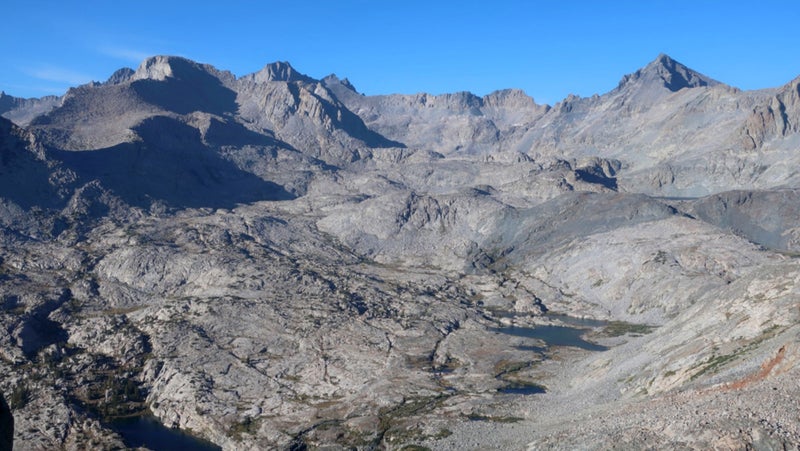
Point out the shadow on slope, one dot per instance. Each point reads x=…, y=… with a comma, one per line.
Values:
x=188, y=89
x=230, y=133
x=24, y=179
x=768, y=218
x=355, y=127
x=37, y=330
x=597, y=177
x=172, y=165
x=540, y=229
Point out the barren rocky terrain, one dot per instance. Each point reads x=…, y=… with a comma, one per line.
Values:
x=272, y=261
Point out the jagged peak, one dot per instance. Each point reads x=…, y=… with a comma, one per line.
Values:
x=120, y=76
x=279, y=71
x=333, y=79
x=668, y=73
x=664, y=60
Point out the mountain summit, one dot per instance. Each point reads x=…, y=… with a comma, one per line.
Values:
x=279, y=71
x=668, y=73
x=163, y=67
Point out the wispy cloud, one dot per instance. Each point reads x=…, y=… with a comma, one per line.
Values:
x=123, y=53
x=58, y=74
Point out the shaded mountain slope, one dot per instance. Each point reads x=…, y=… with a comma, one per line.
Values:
x=177, y=169
x=768, y=218
x=24, y=171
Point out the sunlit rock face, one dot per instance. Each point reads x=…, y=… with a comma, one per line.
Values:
x=274, y=261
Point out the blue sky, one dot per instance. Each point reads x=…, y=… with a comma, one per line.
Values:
x=547, y=48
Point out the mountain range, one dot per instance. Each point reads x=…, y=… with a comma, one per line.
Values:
x=276, y=261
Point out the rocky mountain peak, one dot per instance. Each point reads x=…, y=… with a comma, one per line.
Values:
x=332, y=79
x=510, y=98
x=668, y=73
x=163, y=67
x=280, y=71
x=120, y=76
x=158, y=67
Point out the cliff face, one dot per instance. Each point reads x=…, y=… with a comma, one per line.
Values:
x=773, y=119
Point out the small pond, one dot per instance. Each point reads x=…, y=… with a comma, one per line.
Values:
x=147, y=431
x=553, y=336
x=521, y=389
x=570, y=334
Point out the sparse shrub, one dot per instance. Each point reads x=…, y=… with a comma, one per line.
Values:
x=20, y=396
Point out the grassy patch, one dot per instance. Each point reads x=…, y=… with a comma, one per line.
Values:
x=620, y=328
x=508, y=420
x=504, y=367
x=715, y=362
x=20, y=396
x=391, y=419
x=411, y=407
x=247, y=426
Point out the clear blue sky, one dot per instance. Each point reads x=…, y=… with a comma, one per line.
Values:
x=548, y=48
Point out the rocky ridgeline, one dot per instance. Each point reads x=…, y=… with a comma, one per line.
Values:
x=274, y=261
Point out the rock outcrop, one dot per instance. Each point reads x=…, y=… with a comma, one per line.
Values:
x=775, y=118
